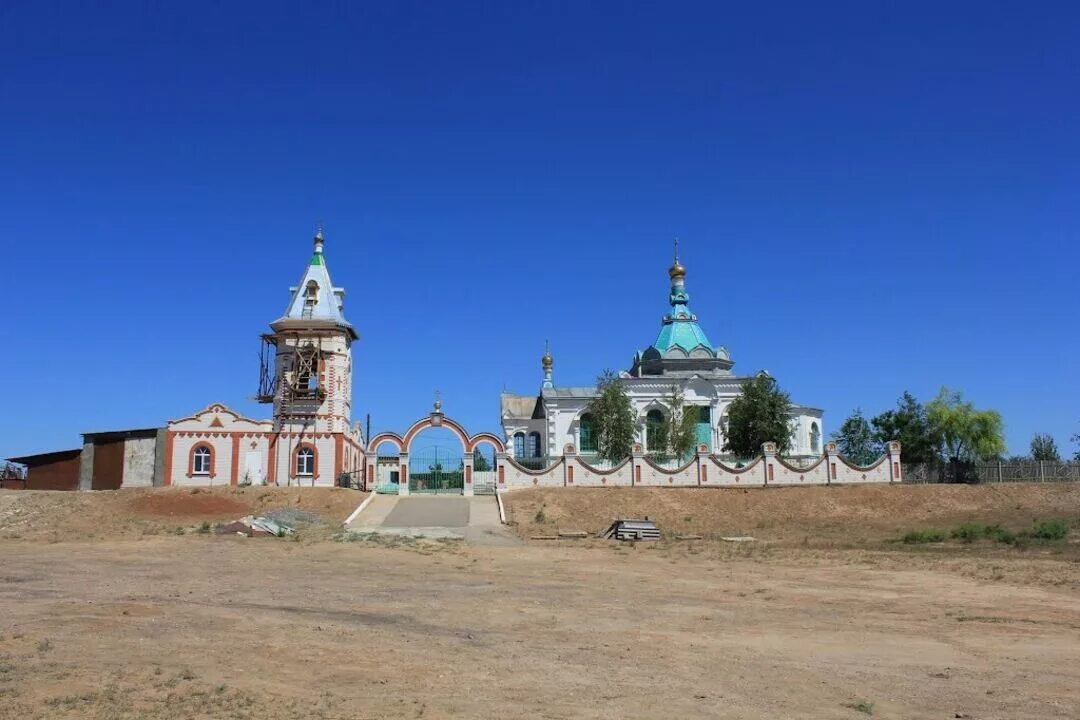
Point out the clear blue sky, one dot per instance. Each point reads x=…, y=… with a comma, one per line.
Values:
x=870, y=198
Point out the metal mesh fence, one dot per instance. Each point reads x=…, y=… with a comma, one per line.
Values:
x=1004, y=471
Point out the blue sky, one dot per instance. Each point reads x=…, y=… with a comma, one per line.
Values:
x=870, y=197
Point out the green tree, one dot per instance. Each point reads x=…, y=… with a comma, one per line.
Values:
x=762, y=413
x=680, y=431
x=1043, y=447
x=909, y=424
x=613, y=418
x=480, y=462
x=966, y=433
x=855, y=440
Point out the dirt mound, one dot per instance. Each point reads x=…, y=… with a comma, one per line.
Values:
x=847, y=514
x=186, y=504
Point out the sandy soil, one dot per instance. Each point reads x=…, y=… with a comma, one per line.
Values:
x=65, y=516
x=840, y=515
x=203, y=626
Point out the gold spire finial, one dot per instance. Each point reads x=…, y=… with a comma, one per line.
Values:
x=547, y=360
x=677, y=271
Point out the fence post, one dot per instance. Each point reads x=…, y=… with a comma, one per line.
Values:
x=1042, y=471
x=999, y=470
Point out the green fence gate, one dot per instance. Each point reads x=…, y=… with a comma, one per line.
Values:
x=436, y=470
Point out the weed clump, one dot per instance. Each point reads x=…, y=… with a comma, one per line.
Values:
x=1049, y=530
x=863, y=706
x=969, y=532
x=916, y=537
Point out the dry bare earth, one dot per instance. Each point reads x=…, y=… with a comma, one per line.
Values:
x=156, y=626
x=847, y=515
x=56, y=516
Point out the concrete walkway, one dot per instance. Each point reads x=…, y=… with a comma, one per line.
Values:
x=472, y=519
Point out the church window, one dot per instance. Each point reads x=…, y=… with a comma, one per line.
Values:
x=202, y=460
x=519, y=445
x=587, y=432
x=305, y=461
x=532, y=449
x=655, y=435
x=815, y=438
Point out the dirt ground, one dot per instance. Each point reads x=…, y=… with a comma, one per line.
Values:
x=848, y=515
x=67, y=516
x=154, y=625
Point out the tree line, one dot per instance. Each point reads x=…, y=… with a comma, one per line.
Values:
x=948, y=429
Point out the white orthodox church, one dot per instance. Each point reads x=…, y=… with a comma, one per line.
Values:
x=680, y=360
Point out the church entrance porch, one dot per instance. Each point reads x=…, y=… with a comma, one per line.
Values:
x=435, y=470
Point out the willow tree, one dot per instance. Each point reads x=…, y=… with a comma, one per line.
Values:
x=967, y=433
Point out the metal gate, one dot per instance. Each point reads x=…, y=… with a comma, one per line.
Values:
x=436, y=470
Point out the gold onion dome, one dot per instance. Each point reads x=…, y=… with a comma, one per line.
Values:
x=677, y=271
x=547, y=361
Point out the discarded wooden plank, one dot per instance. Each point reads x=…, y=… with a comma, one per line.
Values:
x=574, y=535
x=738, y=538
x=687, y=537
x=543, y=537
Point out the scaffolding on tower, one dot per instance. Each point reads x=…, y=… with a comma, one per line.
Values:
x=299, y=381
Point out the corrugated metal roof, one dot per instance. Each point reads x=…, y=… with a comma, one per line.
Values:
x=43, y=458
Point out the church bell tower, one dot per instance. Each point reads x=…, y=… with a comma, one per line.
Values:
x=307, y=359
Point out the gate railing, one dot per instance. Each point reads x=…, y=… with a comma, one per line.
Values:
x=484, y=482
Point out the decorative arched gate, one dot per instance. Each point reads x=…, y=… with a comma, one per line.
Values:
x=437, y=469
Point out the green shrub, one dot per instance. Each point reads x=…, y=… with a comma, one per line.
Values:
x=924, y=536
x=1049, y=530
x=968, y=532
x=1002, y=535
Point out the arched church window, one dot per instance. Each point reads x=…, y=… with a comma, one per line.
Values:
x=815, y=438
x=655, y=432
x=305, y=461
x=587, y=431
x=201, y=461
x=519, y=445
x=532, y=447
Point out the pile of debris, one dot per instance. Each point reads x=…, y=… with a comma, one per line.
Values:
x=632, y=530
x=277, y=523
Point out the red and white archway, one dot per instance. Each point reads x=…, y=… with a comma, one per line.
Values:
x=469, y=443
x=403, y=443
